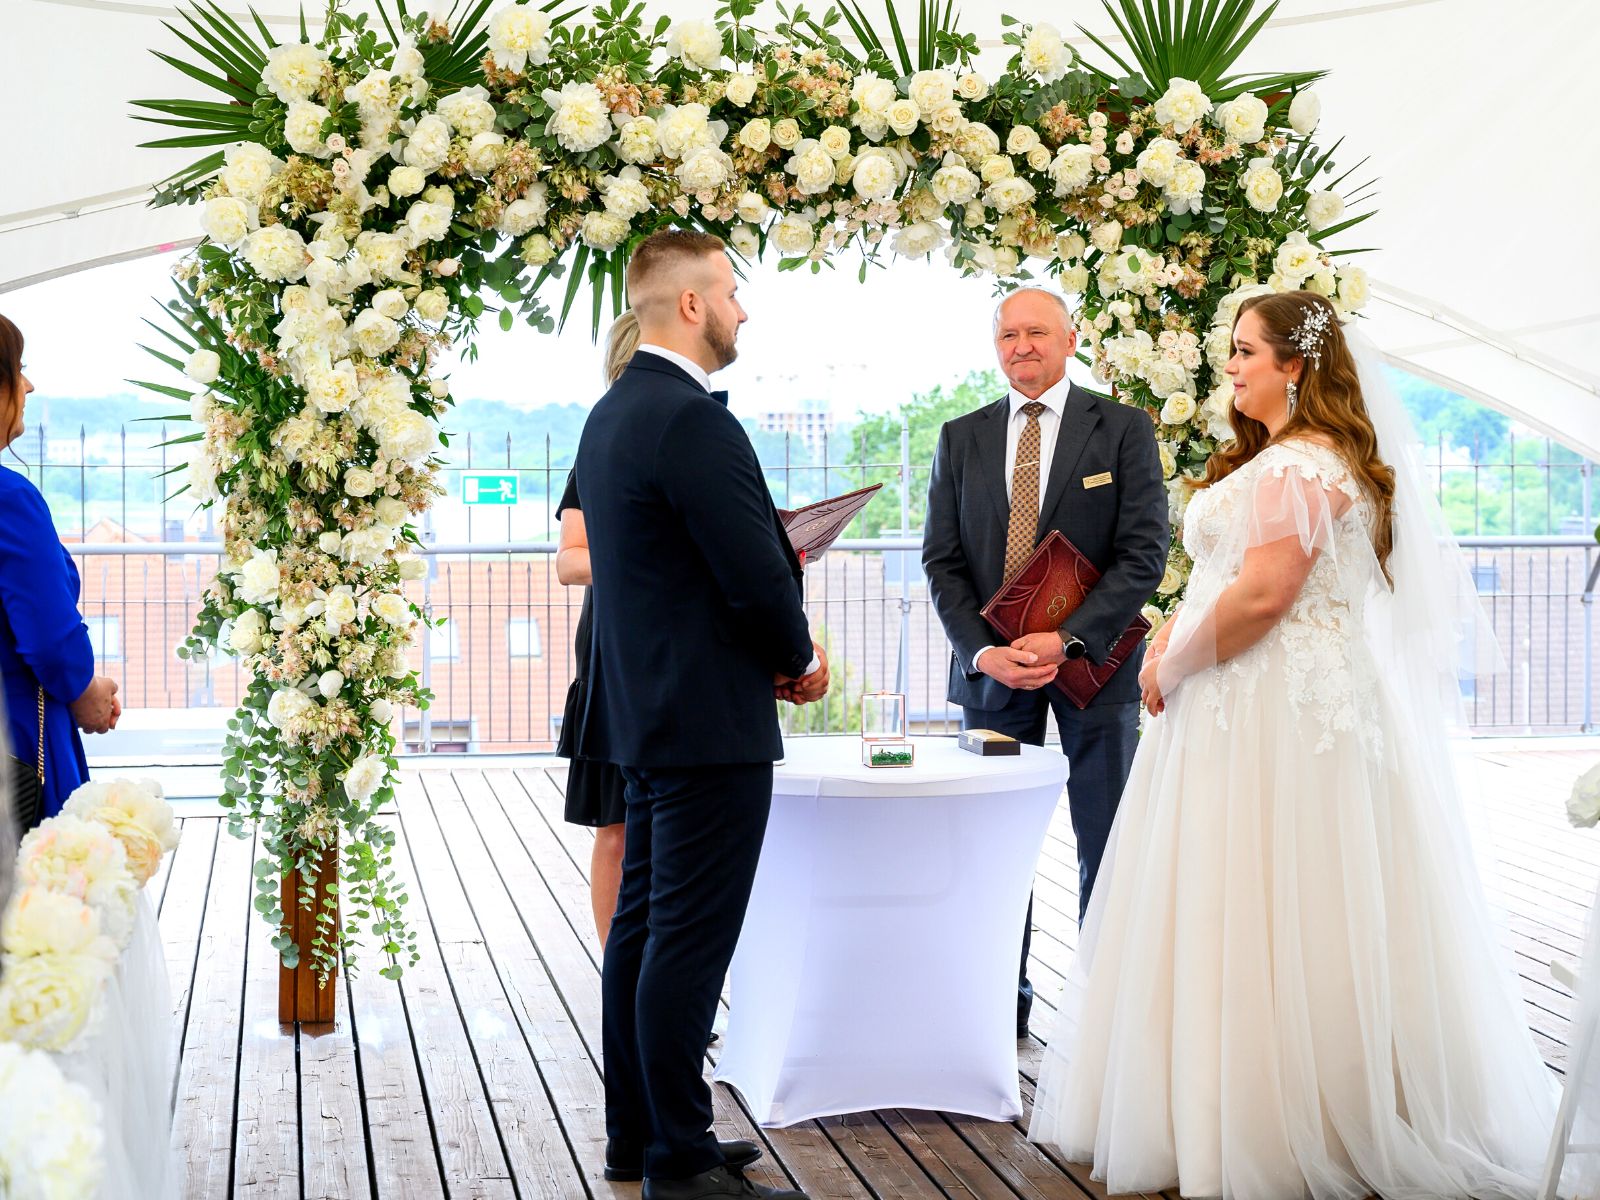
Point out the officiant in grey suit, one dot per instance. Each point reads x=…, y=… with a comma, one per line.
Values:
x=1047, y=456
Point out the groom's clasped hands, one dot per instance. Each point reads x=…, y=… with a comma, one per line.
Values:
x=808, y=688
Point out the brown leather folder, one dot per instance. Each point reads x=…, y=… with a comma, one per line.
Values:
x=1039, y=598
x=814, y=527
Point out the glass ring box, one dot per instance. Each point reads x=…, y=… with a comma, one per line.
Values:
x=883, y=731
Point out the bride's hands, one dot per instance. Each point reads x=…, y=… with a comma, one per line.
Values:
x=1150, y=690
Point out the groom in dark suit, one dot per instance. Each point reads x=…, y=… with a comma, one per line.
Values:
x=697, y=626
x=1047, y=456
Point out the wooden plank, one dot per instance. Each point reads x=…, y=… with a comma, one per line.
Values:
x=267, y=1121
x=203, y=1126
x=333, y=1129
x=401, y=1138
x=182, y=908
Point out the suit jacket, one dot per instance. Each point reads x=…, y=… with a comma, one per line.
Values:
x=1121, y=527
x=696, y=590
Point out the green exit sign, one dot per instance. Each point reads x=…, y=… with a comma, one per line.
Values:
x=482, y=488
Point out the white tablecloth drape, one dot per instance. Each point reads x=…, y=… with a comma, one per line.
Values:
x=878, y=963
x=125, y=1067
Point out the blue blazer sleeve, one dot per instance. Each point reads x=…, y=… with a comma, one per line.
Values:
x=39, y=593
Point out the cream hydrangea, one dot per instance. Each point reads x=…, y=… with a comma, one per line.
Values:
x=1183, y=105
x=518, y=36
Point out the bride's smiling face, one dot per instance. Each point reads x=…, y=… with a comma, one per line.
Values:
x=1260, y=383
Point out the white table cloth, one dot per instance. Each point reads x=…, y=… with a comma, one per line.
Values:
x=878, y=963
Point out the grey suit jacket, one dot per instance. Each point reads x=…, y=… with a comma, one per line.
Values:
x=1120, y=526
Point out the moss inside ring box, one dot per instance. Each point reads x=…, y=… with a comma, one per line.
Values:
x=887, y=754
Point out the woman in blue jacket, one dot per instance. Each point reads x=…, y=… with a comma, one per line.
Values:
x=44, y=644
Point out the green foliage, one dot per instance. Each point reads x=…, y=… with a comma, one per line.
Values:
x=840, y=710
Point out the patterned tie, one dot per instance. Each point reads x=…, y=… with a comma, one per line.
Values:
x=1024, y=523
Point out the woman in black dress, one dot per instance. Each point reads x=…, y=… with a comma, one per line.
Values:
x=594, y=789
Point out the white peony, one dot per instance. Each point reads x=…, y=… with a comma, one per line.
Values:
x=1583, y=805
x=428, y=144
x=1323, y=209
x=741, y=88
x=248, y=170
x=813, y=168
x=203, y=366
x=390, y=302
x=48, y=1001
x=1354, y=288
x=1305, y=110
x=383, y=253
x=1072, y=169
x=1262, y=185
x=1009, y=193
x=972, y=86
x=249, y=627
x=258, y=579
x=393, y=609
x=468, y=111
x=1158, y=160
x=364, y=778
x=537, y=250
x=293, y=71
x=704, y=169
x=875, y=175
x=682, y=127
x=81, y=858
x=918, y=240
x=1186, y=190
x=1074, y=279
x=485, y=152
x=339, y=608
x=287, y=706
x=1043, y=52
x=276, y=253
x=136, y=813
x=410, y=565
x=698, y=43
x=1242, y=119
x=228, y=220
x=1166, y=378
x=793, y=236
x=517, y=36
x=391, y=512
x=302, y=129
x=373, y=333
x=51, y=1144
x=334, y=388
x=1296, y=258
x=408, y=435
x=427, y=222
x=40, y=921
x=636, y=141
x=751, y=207
x=1179, y=409
x=603, y=231
x=1183, y=105
x=367, y=546
x=953, y=183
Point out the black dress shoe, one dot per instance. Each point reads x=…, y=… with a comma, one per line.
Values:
x=719, y=1183
x=1022, y=1030
x=625, y=1163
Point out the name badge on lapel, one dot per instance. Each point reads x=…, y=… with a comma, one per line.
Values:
x=1094, y=481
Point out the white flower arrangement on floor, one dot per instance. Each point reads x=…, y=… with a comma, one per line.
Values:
x=51, y=1147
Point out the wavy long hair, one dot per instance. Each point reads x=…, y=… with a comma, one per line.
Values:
x=621, y=342
x=1329, y=404
x=11, y=397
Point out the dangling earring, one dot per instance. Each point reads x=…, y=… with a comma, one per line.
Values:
x=1290, y=391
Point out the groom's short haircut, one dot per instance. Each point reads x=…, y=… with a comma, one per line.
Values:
x=663, y=265
x=1054, y=297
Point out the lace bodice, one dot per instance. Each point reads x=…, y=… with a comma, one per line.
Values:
x=1318, y=644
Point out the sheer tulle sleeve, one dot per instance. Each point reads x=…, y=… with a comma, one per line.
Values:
x=1294, y=496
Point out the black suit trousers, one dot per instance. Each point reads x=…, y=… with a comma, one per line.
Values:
x=691, y=845
x=1099, y=742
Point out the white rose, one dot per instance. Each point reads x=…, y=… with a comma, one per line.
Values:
x=704, y=169
x=330, y=684
x=293, y=71
x=246, y=634
x=1043, y=53
x=1262, y=185
x=903, y=116
x=392, y=609
x=390, y=303
x=751, y=207
x=468, y=111
x=1072, y=169
x=339, y=609
x=996, y=167
x=1183, y=105
x=248, y=170
x=698, y=43
x=329, y=540
x=390, y=511
x=1354, y=290
x=427, y=222
x=745, y=240
x=302, y=129
x=1171, y=580
x=528, y=212
x=1009, y=193
x=918, y=240
x=1242, y=119
x=382, y=711
x=1022, y=140
x=203, y=366
x=1323, y=209
x=953, y=183
x=517, y=35
x=364, y=778
x=358, y=481
x=429, y=144
x=433, y=305
x=581, y=120
x=1157, y=161
x=1179, y=409
x=276, y=253
x=406, y=181
x=410, y=566
x=1296, y=258
x=624, y=194
x=946, y=119
x=1305, y=110
x=972, y=86
x=603, y=231
x=227, y=220
x=258, y=578
x=1074, y=279
x=636, y=141
x=812, y=167
x=786, y=133
x=756, y=134
x=793, y=236
x=1070, y=246
x=485, y=152
x=741, y=88
x=373, y=333
x=1107, y=237
x=875, y=177
x=537, y=250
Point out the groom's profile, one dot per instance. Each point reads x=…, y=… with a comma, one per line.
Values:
x=697, y=626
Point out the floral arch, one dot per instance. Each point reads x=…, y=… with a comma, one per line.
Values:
x=374, y=185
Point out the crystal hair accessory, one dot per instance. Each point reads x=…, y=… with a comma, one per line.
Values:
x=1308, y=336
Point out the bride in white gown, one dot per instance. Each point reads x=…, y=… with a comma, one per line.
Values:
x=1287, y=982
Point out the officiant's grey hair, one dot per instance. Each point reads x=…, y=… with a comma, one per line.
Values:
x=1054, y=297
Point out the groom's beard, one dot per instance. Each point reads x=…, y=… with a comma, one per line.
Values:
x=719, y=338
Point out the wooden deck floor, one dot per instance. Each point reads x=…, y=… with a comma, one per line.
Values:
x=479, y=1074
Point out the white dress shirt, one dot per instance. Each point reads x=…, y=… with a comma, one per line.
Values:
x=698, y=374
x=1054, y=400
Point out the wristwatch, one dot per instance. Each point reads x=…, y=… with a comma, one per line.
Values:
x=1071, y=647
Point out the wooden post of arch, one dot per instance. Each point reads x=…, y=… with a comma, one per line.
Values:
x=302, y=998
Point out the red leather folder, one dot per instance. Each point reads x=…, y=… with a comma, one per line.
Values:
x=1039, y=598
x=814, y=527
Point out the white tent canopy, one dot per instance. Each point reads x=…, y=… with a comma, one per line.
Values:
x=1487, y=242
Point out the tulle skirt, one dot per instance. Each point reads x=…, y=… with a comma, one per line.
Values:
x=1287, y=982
